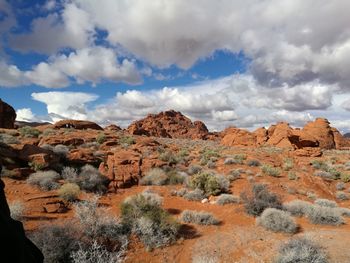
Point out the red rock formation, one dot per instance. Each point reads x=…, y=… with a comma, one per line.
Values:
x=7, y=116
x=315, y=134
x=321, y=131
x=112, y=127
x=169, y=124
x=77, y=124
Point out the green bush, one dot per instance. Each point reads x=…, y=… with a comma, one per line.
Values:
x=153, y=225
x=270, y=170
x=209, y=183
x=29, y=132
x=126, y=140
x=322, y=215
x=46, y=180
x=169, y=157
x=100, y=138
x=345, y=177
x=227, y=199
x=288, y=164
x=253, y=163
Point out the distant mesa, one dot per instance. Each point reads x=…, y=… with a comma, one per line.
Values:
x=169, y=124
x=77, y=124
x=7, y=116
x=318, y=133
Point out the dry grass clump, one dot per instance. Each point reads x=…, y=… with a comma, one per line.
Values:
x=69, y=192
x=199, y=218
x=224, y=199
x=322, y=215
x=301, y=250
x=298, y=207
x=46, y=180
x=277, y=221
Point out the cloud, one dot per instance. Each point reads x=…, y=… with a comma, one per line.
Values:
x=70, y=29
x=10, y=75
x=70, y=105
x=288, y=42
x=25, y=114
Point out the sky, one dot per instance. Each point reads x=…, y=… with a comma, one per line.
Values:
x=237, y=63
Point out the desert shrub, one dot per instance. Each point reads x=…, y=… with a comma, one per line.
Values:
x=194, y=169
x=195, y=195
x=301, y=250
x=235, y=159
x=8, y=139
x=69, y=192
x=271, y=171
x=253, y=163
x=29, y=132
x=344, y=211
x=325, y=202
x=91, y=180
x=324, y=175
x=46, y=180
x=288, y=164
x=100, y=138
x=17, y=209
x=209, y=183
x=340, y=186
x=168, y=157
x=341, y=195
x=153, y=225
x=322, y=215
x=97, y=253
x=211, y=164
x=311, y=195
x=208, y=154
x=297, y=207
x=69, y=174
x=199, y=218
x=37, y=166
x=55, y=242
x=319, y=165
x=345, y=177
x=48, y=132
x=259, y=199
x=224, y=199
x=234, y=175
x=126, y=140
x=292, y=175
x=155, y=176
x=181, y=192
x=277, y=221
x=61, y=150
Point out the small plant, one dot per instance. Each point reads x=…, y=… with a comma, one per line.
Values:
x=271, y=171
x=253, y=163
x=227, y=199
x=298, y=207
x=325, y=202
x=36, y=166
x=301, y=250
x=126, y=140
x=340, y=186
x=48, y=132
x=319, y=165
x=345, y=177
x=211, y=164
x=259, y=199
x=100, y=138
x=292, y=175
x=208, y=154
x=236, y=159
x=277, y=221
x=209, y=183
x=194, y=169
x=29, y=132
x=324, y=175
x=153, y=225
x=8, y=139
x=340, y=195
x=69, y=192
x=288, y=164
x=69, y=173
x=155, y=176
x=195, y=195
x=17, y=209
x=199, y=218
x=46, y=180
x=168, y=157
x=90, y=179
x=235, y=174
x=322, y=215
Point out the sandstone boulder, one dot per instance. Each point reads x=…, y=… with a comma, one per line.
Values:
x=7, y=116
x=169, y=124
x=322, y=132
x=238, y=137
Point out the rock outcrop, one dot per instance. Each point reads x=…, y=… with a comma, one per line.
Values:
x=315, y=134
x=15, y=246
x=169, y=124
x=77, y=124
x=7, y=116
